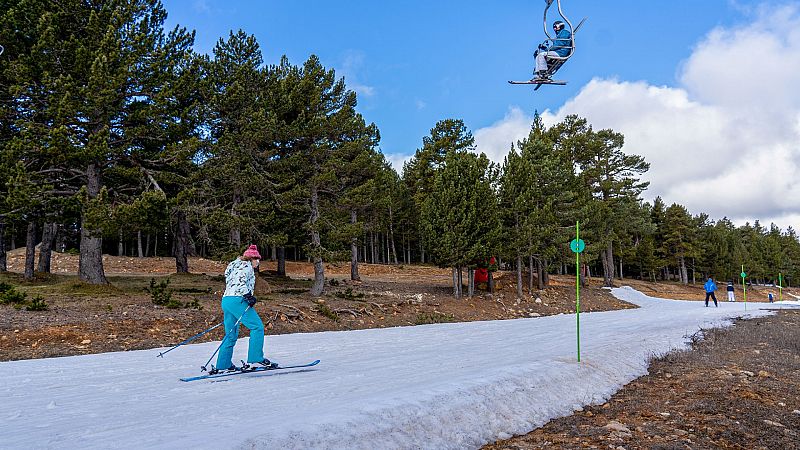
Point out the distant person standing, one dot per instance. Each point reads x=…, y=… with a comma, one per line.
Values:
x=731, y=297
x=771, y=297
x=710, y=287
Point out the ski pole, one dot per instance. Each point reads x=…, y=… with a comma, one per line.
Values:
x=226, y=336
x=161, y=355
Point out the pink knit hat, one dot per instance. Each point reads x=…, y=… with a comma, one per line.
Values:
x=252, y=252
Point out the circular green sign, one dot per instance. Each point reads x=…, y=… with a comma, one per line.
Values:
x=577, y=246
x=743, y=274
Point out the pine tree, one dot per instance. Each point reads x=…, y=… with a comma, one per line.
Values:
x=458, y=218
x=101, y=71
x=448, y=135
x=610, y=177
x=678, y=237
x=319, y=135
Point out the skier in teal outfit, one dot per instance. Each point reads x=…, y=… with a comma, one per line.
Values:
x=238, y=302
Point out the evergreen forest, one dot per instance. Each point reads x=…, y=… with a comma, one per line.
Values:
x=117, y=137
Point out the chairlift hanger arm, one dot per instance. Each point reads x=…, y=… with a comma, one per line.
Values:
x=560, y=13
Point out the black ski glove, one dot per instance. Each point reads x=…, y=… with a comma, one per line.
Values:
x=250, y=299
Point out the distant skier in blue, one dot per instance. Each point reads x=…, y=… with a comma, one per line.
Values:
x=710, y=287
x=561, y=47
x=238, y=302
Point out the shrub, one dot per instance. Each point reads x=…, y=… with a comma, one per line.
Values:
x=434, y=317
x=160, y=293
x=291, y=291
x=5, y=287
x=333, y=282
x=37, y=304
x=326, y=311
x=12, y=296
x=348, y=294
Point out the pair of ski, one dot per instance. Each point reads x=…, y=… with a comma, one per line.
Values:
x=253, y=370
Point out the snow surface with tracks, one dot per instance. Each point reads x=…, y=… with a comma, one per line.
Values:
x=457, y=385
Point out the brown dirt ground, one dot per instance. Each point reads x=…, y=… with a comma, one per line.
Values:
x=739, y=388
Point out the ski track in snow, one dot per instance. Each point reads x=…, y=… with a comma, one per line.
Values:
x=457, y=385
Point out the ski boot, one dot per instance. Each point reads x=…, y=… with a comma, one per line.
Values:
x=267, y=364
x=261, y=365
x=230, y=369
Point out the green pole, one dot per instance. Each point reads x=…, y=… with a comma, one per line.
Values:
x=578, y=286
x=744, y=287
x=780, y=287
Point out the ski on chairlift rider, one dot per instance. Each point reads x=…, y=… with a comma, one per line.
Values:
x=560, y=47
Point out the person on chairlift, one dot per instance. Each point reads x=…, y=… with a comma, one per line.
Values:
x=560, y=47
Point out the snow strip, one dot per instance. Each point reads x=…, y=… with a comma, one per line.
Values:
x=448, y=386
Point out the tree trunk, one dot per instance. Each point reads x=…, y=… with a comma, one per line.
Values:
x=3, y=258
x=391, y=235
x=684, y=274
x=545, y=273
x=530, y=275
x=693, y=272
x=46, y=250
x=490, y=282
x=139, y=243
x=621, y=277
x=280, y=254
x=519, y=276
x=584, y=277
x=539, y=274
x=90, y=262
x=354, y=250
x=316, y=245
x=364, y=248
x=30, y=250
x=455, y=282
x=470, y=282
x=182, y=237
x=460, y=283
x=120, y=245
x=372, y=247
x=607, y=256
x=147, y=245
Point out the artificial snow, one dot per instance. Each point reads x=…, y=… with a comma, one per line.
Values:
x=457, y=385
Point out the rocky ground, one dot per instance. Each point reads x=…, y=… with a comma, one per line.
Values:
x=738, y=388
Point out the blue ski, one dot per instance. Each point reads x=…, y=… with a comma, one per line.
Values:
x=257, y=369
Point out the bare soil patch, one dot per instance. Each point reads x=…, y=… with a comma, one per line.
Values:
x=738, y=388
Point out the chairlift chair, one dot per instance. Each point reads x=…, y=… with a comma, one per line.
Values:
x=554, y=62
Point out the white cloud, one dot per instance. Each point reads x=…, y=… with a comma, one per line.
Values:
x=496, y=139
x=397, y=160
x=725, y=141
x=351, y=66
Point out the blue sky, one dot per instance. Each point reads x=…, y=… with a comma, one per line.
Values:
x=416, y=62
x=670, y=75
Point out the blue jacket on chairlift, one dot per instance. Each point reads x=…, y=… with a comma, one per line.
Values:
x=564, y=40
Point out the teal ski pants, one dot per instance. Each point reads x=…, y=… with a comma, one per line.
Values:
x=234, y=307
